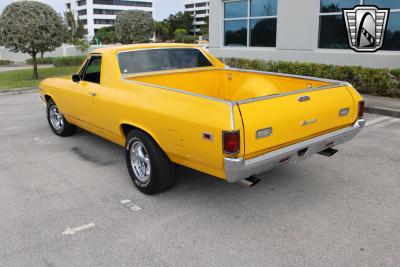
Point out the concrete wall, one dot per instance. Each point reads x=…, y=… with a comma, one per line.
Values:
x=63, y=51
x=297, y=39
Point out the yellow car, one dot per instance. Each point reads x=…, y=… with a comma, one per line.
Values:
x=177, y=104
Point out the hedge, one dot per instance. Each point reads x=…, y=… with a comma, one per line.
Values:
x=396, y=73
x=6, y=62
x=381, y=82
x=60, y=61
x=68, y=61
x=41, y=61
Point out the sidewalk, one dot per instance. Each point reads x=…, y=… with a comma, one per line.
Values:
x=382, y=105
x=22, y=67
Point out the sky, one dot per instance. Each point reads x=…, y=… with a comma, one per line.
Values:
x=163, y=8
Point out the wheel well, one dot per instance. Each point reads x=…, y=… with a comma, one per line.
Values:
x=126, y=128
x=47, y=98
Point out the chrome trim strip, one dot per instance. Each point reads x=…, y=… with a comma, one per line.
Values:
x=178, y=91
x=166, y=72
x=232, y=116
x=251, y=100
x=239, y=168
x=285, y=75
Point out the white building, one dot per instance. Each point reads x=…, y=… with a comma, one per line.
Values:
x=199, y=9
x=96, y=14
x=289, y=30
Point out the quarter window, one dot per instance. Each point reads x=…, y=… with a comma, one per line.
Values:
x=250, y=23
x=332, y=28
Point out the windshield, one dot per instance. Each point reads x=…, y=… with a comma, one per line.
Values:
x=161, y=59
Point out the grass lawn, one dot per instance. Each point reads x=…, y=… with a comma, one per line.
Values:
x=23, y=78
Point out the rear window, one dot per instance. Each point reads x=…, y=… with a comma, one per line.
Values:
x=161, y=59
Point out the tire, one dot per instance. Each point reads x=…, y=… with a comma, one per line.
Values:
x=58, y=124
x=149, y=167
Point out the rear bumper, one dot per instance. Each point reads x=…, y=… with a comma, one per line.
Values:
x=238, y=169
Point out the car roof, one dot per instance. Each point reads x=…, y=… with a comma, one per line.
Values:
x=121, y=48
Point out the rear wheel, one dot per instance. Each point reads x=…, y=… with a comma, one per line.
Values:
x=58, y=124
x=149, y=167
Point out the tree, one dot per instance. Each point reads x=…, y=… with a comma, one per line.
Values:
x=82, y=45
x=107, y=35
x=162, y=31
x=180, y=21
x=31, y=27
x=75, y=29
x=134, y=26
x=180, y=32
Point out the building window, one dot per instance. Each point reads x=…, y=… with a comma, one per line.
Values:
x=82, y=12
x=201, y=4
x=332, y=28
x=104, y=21
x=250, y=23
x=68, y=6
x=392, y=35
x=123, y=3
x=81, y=3
x=189, y=6
x=106, y=11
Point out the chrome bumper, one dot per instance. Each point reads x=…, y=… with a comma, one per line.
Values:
x=238, y=169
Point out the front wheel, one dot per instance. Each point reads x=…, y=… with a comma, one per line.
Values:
x=149, y=167
x=58, y=124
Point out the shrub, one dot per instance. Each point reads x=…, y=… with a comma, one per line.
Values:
x=68, y=61
x=180, y=32
x=60, y=61
x=41, y=61
x=365, y=80
x=396, y=73
x=188, y=39
x=6, y=62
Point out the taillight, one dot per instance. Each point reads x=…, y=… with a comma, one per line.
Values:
x=231, y=142
x=361, y=108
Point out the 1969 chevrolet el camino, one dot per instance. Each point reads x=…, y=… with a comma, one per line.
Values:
x=175, y=103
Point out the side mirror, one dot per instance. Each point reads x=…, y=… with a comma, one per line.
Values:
x=76, y=78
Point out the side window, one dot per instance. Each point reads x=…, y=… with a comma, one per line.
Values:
x=93, y=69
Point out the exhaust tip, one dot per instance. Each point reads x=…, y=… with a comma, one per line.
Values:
x=250, y=182
x=329, y=152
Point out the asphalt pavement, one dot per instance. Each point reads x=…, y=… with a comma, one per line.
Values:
x=70, y=202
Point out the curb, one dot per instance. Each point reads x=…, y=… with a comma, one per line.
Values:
x=383, y=111
x=19, y=91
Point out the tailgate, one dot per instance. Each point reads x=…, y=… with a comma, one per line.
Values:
x=294, y=118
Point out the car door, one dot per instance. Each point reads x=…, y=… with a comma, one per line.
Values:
x=89, y=86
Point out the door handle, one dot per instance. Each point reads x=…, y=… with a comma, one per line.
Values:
x=93, y=93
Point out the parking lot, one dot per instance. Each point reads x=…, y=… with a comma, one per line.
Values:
x=60, y=204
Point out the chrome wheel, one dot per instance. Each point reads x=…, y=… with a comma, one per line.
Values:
x=56, y=118
x=140, y=161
